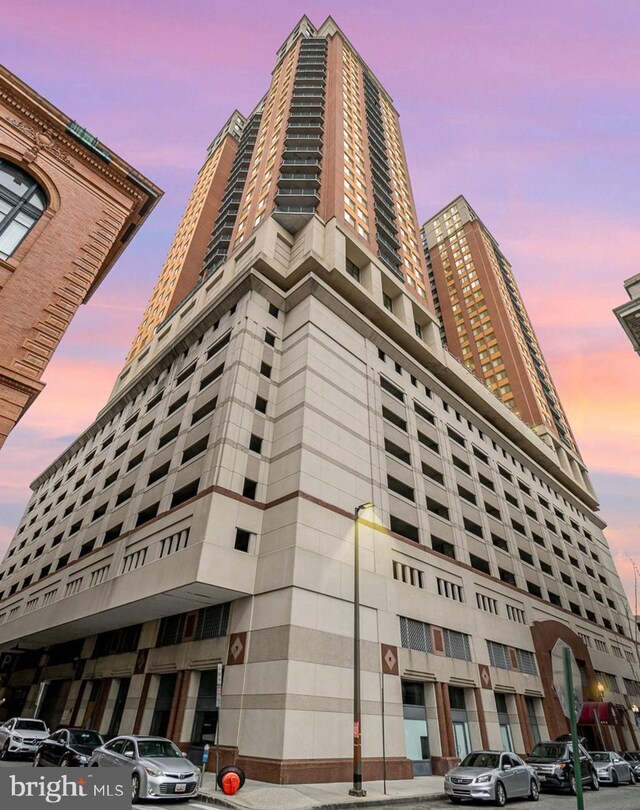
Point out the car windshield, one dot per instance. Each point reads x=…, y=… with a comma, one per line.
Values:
x=85, y=738
x=480, y=759
x=158, y=748
x=30, y=725
x=549, y=751
x=600, y=756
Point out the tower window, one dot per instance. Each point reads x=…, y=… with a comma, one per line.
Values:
x=22, y=203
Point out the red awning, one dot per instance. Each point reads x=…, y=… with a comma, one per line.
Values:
x=604, y=713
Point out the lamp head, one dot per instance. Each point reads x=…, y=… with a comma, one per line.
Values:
x=363, y=506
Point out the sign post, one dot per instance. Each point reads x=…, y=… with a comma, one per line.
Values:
x=218, y=703
x=566, y=682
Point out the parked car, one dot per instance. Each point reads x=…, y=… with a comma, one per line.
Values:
x=68, y=748
x=633, y=758
x=612, y=768
x=159, y=768
x=553, y=762
x=492, y=775
x=21, y=735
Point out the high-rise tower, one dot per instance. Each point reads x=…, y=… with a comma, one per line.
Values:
x=629, y=313
x=207, y=514
x=484, y=320
x=183, y=264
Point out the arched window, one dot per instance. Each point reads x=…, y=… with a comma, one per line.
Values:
x=22, y=203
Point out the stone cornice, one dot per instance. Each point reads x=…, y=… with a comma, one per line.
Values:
x=32, y=108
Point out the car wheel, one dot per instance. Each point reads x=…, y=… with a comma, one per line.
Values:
x=632, y=780
x=501, y=795
x=595, y=785
x=455, y=800
x=614, y=779
x=572, y=784
x=66, y=762
x=135, y=787
x=534, y=791
x=4, y=754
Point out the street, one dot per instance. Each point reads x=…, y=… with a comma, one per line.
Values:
x=625, y=797
x=607, y=798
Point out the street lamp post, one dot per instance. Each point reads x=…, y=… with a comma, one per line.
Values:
x=357, y=790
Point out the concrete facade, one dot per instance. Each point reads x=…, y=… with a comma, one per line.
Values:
x=206, y=518
x=93, y=204
x=353, y=407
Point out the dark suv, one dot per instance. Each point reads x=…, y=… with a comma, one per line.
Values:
x=553, y=762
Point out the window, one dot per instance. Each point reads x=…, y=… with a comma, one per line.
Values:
x=269, y=338
x=195, y=449
x=401, y=527
x=169, y=436
x=400, y=488
x=466, y=494
x=443, y=547
x=213, y=375
x=397, y=452
x=204, y=410
x=255, y=443
x=177, y=403
x=184, y=493
x=353, y=270
x=261, y=404
x=437, y=508
x=249, y=488
x=486, y=482
x=460, y=464
x=392, y=417
x=387, y=301
x=472, y=527
x=242, y=540
x=427, y=441
x=22, y=203
x=147, y=514
x=273, y=310
x=432, y=473
x=424, y=413
x=158, y=473
x=390, y=388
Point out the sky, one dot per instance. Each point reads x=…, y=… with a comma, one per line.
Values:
x=529, y=109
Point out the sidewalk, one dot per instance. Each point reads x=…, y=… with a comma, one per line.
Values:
x=266, y=796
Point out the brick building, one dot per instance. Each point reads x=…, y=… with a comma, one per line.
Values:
x=68, y=207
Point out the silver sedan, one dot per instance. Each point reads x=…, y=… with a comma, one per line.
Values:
x=612, y=769
x=159, y=769
x=491, y=775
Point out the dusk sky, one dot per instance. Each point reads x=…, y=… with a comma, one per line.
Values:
x=528, y=109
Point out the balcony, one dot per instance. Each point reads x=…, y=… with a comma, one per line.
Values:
x=297, y=196
x=312, y=126
x=293, y=217
x=298, y=180
x=295, y=141
x=301, y=162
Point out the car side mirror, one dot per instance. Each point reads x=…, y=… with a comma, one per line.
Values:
x=128, y=754
x=506, y=767
x=184, y=754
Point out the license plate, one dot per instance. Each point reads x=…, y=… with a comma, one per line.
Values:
x=541, y=777
x=181, y=788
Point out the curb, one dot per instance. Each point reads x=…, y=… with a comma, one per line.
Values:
x=207, y=798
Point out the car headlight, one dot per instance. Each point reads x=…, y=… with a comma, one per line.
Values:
x=17, y=738
x=81, y=758
x=153, y=771
x=487, y=777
